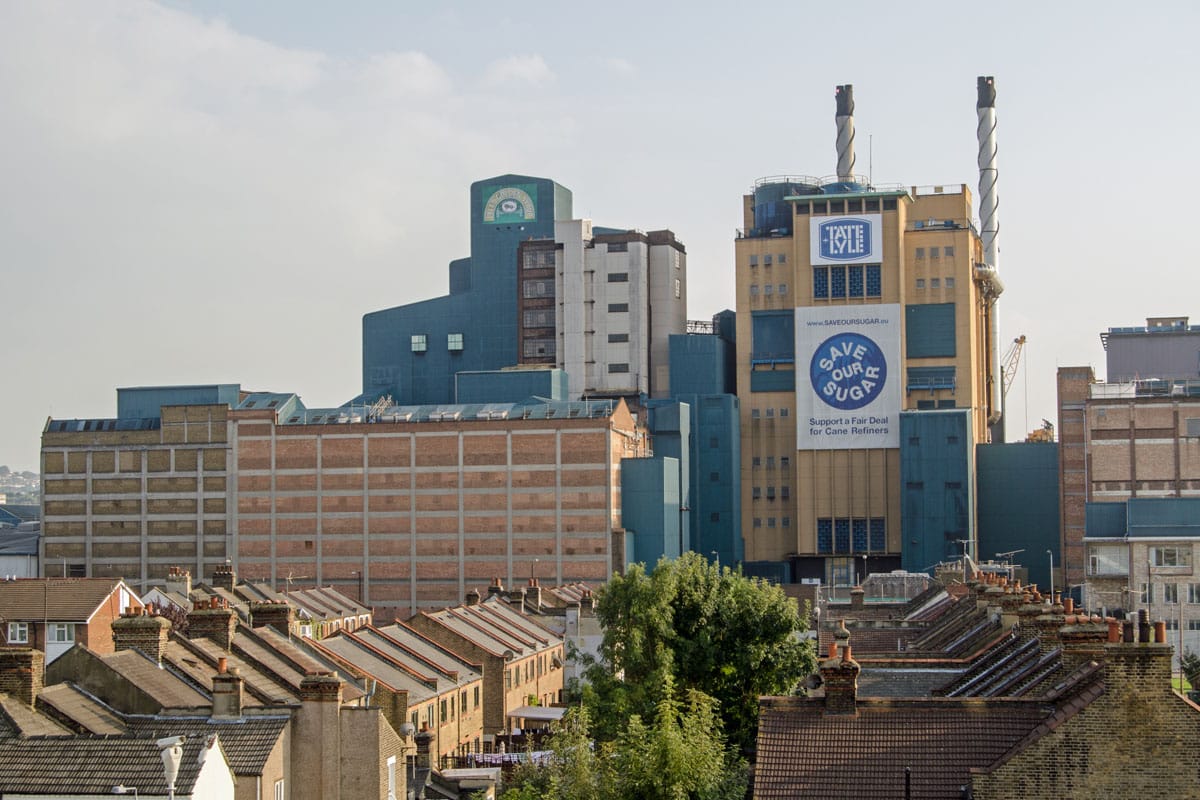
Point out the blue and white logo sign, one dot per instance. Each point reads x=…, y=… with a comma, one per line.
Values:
x=852, y=397
x=848, y=371
x=846, y=240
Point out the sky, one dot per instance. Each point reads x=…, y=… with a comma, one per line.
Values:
x=216, y=192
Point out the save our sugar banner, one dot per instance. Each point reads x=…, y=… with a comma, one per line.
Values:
x=848, y=377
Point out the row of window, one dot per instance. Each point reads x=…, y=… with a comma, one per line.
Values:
x=446, y=709
x=768, y=259
x=936, y=252
x=851, y=280
x=420, y=342
x=768, y=289
x=842, y=535
x=785, y=492
x=844, y=206
x=538, y=259
x=769, y=413
x=936, y=283
x=1170, y=593
x=533, y=668
x=784, y=522
x=56, y=632
x=785, y=462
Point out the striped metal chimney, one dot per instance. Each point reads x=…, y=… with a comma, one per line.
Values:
x=989, y=197
x=845, y=131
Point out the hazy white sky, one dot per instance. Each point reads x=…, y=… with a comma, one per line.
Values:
x=196, y=192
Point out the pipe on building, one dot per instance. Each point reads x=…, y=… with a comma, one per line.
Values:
x=989, y=231
x=845, y=131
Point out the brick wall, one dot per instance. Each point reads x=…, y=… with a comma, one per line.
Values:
x=21, y=673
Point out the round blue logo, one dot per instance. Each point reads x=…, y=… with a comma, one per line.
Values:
x=848, y=371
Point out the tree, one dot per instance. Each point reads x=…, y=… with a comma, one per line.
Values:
x=709, y=629
x=1189, y=665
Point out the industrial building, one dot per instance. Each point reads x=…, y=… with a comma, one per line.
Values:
x=540, y=289
x=867, y=364
x=405, y=507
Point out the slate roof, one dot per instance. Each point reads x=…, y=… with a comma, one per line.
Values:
x=247, y=741
x=325, y=603
x=24, y=721
x=91, y=765
x=86, y=713
x=941, y=740
x=166, y=688
x=55, y=599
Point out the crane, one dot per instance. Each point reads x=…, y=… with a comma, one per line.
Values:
x=1012, y=358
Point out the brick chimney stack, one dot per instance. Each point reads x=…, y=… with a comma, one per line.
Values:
x=472, y=597
x=228, y=692
x=22, y=671
x=857, y=597
x=840, y=675
x=587, y=604
x=275, y=613
x=496, y=588
x=224, y=577
x=213, y=620
x=137, y=630
x=179, y=581
x=533, y=594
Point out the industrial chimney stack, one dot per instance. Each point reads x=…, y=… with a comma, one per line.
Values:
x=845, y=132
x=989, y=198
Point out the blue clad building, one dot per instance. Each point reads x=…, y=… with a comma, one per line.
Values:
x=413, y=352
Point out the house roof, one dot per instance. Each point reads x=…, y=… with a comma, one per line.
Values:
x=804, y=752
x=247, y=741
x=325, y=603
x=55, y=599
x=92, y=765
x=167, y=689
x=68, y=701
x=25, y=721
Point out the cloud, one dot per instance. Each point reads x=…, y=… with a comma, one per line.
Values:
x=532, y=70
x=619, y=66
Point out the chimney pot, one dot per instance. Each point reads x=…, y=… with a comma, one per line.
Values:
x=222, y=664
x=1160, y=632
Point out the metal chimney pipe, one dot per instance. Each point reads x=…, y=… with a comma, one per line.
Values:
x=989, y=199
x=845, y=131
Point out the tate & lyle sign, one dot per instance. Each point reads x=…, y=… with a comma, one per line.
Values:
x=846, y=240
x=850, y=395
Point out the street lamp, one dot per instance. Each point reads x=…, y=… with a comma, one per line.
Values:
x=1051, y=554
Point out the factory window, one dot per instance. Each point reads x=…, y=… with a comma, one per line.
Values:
x=948, y=251
x=1193, y=625
x=935, y=283
x=539, y=318
x=949, y=282
x=714, y=476
x=756, y=493
x=783, y=288
x=837, y=281
x=614, y=308
x=783, y=412
x=1171, y=593
x=454, y=342
x=770, y=492
x=754, y=290
x=768, y=289
x=758, y=522
x=616, y=338
x=824, y=536
x=678, y=288
x=618, y=247
x=770, y=522
x=821, y=282
x=856, y=280
x=859, y=534
x=767, y=260
x=18, y=633
x=889, y=204
x=770, y=413
x=947, y=403
x=874, y=282
x=714, y=516
x=785, y=492
x=920, y=283
x=419, y=343
x=1193, y=593
x=1171, y=556
x=538, y=348
x=538, y=287
x=935, y=252
x=786, y=522
x=781, y=258
x=770, y=462
x=756, y=462
x=754, y=413
x=841, y=535
x=615, y=368
x=872, y=205
x=1172, y=624
x=785, y=462
x=920, y=252
x=801, y=208
x=878, y=537
x=754, y=259
x=618, y=277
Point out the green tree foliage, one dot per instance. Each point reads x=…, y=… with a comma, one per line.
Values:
x=716, y=631
x=1190, y=666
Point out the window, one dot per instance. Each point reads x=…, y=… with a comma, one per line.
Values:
x=1171, y=556
x=837, y=281
x=615, y=368
x=821, y=282
x=475, y=699
x=767, y=260
x=770, y=522
x=920, y=252
x=935, y=252
x=618, y=277
x=462, y=702
x=18, y=633
x=783, y=412
x=754, y=413
x=949, y=282
x=786, y=522
x=770, y=492
x=783, y=288
x=756, y=492
x=856, y=280
x=281, y=794
x=1172, y=624
x=1193, y=593
x=1145, y=593
x=754, y=290
x=1194, y=624
x=781, y=258
x=935, y=283
x=678, y=288
x=770, y=413
x=538, y=348
x=756, y=462
x=714, y=477
x=1171, y=593
x=770, y=462
x=539, y=287
x=785, y=492
x=948, y=251
x=874, y=281
x=61, y=632
x=616, y=338
x=454, y=342
x=539, y=318
x=419, y=343
x=754, y=259
x=785, y=462
x=614, y=308
x=757, y=522
x=618, y=247
x=920, y=283
x=768, y=289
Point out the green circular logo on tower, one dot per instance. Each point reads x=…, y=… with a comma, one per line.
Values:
x=509, y=204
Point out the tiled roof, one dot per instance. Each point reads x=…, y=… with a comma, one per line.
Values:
x=247, y=741
x=261, y=689
x=167, y=689
x=805, y=753
x=54, y=599
x=91, y=765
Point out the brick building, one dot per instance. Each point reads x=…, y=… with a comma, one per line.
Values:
x=402, y=507
x=53, y=614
